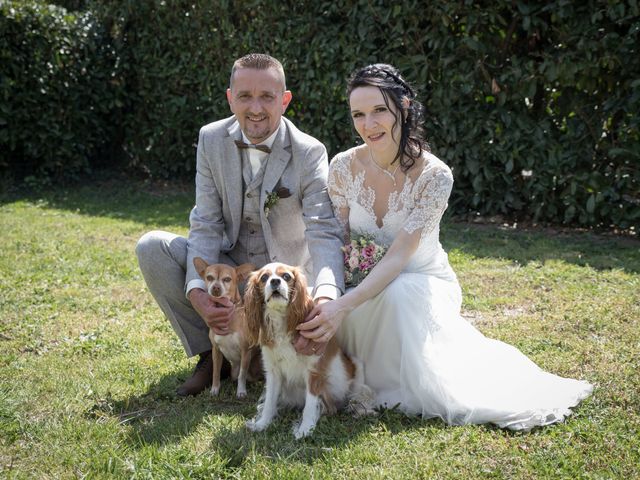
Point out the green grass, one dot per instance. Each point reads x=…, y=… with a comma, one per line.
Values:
x=88, y=365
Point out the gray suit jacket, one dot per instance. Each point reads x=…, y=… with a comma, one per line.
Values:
x=300, y=230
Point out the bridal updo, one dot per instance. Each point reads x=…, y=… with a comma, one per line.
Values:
x=396, y=89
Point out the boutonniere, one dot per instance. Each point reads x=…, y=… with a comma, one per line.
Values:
x=273, y=197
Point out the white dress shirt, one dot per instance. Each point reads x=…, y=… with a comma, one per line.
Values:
x=256, y=157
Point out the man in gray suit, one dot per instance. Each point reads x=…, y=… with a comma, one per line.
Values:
x=261, y=196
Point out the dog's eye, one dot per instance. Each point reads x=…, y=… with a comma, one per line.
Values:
x=264, y=278
x=210, y=278
x=226, y=279
x=286, y=277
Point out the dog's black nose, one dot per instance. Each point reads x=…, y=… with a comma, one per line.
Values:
x=274, y=282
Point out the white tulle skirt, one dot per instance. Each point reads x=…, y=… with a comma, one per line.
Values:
x=420, y=355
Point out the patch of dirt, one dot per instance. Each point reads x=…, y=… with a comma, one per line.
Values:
x=628, y=237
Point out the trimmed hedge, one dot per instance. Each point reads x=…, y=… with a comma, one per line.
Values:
x=57, y=91
x=533, y=104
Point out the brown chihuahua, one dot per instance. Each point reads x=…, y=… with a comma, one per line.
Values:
x=222, y=281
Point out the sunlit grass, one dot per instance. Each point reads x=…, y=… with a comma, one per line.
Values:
x=88, y=366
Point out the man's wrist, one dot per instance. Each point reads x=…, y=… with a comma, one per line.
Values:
x=195, y=283
x=193, y=292
x=326, y=290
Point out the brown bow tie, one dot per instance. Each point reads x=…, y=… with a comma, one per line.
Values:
x=262, y=148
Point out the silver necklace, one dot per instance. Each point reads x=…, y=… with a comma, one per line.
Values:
x=391, y=175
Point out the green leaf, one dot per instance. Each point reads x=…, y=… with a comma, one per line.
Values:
x=508, y=166
x=473, y=165
x=569, y=213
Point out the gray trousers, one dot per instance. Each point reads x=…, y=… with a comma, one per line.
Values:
x=162, y=257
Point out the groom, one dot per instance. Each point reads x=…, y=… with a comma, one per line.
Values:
x=261, y=197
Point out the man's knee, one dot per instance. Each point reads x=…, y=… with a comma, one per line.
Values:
x=148, y=245
x=161, y=252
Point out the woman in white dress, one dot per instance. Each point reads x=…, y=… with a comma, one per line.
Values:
x=403, y=320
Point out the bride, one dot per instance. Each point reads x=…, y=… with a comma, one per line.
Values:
x=403, y=321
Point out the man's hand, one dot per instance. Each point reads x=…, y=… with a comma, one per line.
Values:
x=216, y=312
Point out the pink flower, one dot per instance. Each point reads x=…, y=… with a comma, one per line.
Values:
x=369, y=251
x=360, y=256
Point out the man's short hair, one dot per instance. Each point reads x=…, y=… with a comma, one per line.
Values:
x=258, y=61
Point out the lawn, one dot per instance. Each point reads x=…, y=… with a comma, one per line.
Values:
x=88, y=365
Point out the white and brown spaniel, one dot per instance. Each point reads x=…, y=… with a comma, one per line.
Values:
x=276, y=301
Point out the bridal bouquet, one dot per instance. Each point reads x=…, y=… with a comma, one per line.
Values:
x=360, y=256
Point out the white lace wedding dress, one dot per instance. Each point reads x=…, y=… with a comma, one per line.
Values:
x=418, y=352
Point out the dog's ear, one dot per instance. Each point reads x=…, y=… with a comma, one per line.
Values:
x=254, y=308
x=244, y=270
x=301, y=302
x=200, y=265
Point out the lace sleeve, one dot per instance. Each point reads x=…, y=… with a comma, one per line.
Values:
x=431, y=199
x=339, y=181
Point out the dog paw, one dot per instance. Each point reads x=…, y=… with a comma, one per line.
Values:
x=256, y=425
x=301, y=431
x=241, y=394
x=359, y=409
x=214, y=391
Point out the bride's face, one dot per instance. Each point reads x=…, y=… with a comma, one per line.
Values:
x=374, y=121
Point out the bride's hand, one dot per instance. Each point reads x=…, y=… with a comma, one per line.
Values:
x=323, y=321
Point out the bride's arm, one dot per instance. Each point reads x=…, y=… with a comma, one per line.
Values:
x=325, y=319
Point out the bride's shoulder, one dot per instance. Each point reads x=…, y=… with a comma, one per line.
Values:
x=345, y=160
x=346, y=156
x=434, y=176
x=432, y=167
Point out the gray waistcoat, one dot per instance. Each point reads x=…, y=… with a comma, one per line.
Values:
x=251, y=246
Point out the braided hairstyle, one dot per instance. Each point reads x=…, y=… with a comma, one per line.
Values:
x=394, y=87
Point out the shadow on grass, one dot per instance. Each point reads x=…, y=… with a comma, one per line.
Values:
x=331, y=432
x=600, y=252
x=167, y=205
x=160, y=204
x=158, y=417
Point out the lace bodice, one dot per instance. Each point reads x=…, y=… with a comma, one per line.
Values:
x=418, y=204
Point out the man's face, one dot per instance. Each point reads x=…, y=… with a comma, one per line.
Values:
x=258, y=100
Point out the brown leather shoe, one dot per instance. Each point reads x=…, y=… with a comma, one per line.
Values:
x=201, y=378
